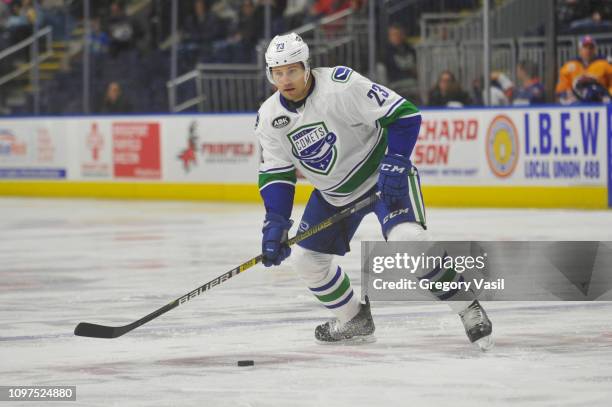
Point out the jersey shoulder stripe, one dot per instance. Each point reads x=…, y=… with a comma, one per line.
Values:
x=287, y=177
x=278, y=169
x=401, y=108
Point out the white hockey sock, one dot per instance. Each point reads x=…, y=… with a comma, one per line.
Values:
x=337, y=295
x=328, y=282
x=408, y=231
x=415, y=232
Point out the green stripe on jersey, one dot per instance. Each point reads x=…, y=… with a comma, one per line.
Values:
x=338, y=292
x=287, y=176
x=367, y=168
x=406, y=108
x=447, y=277
x=415, y=191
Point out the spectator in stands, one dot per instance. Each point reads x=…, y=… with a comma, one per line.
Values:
x=532, y=90
x=448, y=92
x=250, y=29
x=123, y=31
x=17, y=24
x=4, y=14
x=55, y=14
x=98, y=40
x=322, y=8
x=240, y=45
x=158, y=22
x=295, y=12
x=31, y=12
x=360, y=7
x=588, y=90
x=588, y=64
x=400, y=58
x=278, y=12
x=497, y=96
x=583, y=16
x=400, y=63
x=203, y=28
x=592, y=24
x=570, y=10
x=114, y=101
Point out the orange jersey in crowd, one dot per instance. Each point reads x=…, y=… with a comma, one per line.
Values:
x=600, y=69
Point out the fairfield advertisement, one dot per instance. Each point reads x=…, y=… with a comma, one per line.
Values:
x=211, y=148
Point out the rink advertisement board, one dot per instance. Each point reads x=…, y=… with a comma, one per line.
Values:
x=34, y=149
x=609, y=126
x=551, y=146
x=94, y=140
x=549, y=156
x=136, y=150
x=210, y=149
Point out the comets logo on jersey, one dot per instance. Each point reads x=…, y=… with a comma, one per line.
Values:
x=314, y=145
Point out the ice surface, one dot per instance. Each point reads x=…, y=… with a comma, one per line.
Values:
x=65, y=261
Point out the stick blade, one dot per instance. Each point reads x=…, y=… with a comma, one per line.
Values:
x=95, y=330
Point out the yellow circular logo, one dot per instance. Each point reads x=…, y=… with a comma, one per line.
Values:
x=502, y=146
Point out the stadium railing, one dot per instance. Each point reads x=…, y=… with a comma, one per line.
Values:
x=511, y=18
x=338, y=39
x=218, y=88
x=19, y=58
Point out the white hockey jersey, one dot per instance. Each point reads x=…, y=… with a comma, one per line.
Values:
x=336, y=139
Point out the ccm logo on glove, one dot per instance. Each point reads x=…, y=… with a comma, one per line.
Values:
x=392, y=168
x=395, y=213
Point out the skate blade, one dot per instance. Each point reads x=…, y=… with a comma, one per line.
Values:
x=356, y=340
x=486, y=343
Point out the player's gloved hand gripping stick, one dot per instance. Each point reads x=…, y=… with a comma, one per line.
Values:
x=102, y=331
x=274, y=248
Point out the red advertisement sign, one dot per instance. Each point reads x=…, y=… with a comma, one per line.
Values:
x=136, y=150
x=437, y=135
x=95, y=152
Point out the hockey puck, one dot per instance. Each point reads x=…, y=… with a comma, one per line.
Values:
x=246, y=363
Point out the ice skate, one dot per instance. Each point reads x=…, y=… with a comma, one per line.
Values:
x=360, y=329
x=478, y=326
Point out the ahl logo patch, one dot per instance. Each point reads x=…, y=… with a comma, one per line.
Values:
x=280, y=122
x=315, y=146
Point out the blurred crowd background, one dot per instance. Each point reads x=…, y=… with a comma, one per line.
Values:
x=124, y=58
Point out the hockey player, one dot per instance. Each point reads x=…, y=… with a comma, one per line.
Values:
x=350, y=138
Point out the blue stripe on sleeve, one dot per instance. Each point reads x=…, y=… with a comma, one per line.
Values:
x=278, y=198
x=403, y=134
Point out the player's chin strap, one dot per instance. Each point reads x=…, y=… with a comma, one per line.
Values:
x=103, y=331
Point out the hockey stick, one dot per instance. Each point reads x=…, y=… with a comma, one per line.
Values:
x=103, y=331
